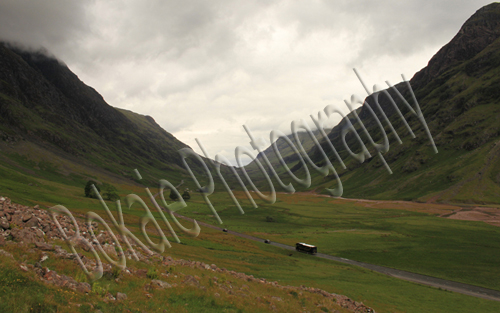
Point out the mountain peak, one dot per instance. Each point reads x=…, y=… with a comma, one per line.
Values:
x=479, y=31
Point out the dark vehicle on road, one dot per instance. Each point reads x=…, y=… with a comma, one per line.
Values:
x=304, y=247
x=267, y=241
x=225, y=230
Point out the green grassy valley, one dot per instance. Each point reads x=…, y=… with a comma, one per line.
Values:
x=391, y=237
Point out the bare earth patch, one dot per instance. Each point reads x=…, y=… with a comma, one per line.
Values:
x=487, y=215
x=431, y=208
x=484, y=214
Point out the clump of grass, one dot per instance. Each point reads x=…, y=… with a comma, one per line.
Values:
x=81, y=277
x=116, y=272
x=222, y=279
x=98, y=289
x=152, y=273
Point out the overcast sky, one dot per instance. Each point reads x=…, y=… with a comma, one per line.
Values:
x=202, y=69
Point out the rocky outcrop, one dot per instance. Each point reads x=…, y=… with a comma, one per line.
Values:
x=51, y=277
x=479, y=31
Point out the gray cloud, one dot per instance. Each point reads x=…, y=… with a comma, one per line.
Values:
x=204, y=68
x=387, y=27
x=52, y=24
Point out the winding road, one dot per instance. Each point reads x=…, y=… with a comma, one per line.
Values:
x=449, y=285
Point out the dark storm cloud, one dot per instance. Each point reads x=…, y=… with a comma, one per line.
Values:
x=53, y=24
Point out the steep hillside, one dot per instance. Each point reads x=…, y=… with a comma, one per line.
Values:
x=459, y=97
x=51, y=119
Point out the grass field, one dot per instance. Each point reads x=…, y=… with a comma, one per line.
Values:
x=408, y=239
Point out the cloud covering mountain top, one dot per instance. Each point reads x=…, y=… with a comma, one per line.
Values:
x=204, y=68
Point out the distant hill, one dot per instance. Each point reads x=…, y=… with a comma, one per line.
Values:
x=49, y=116
x=459, y=95
x=286, y=151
